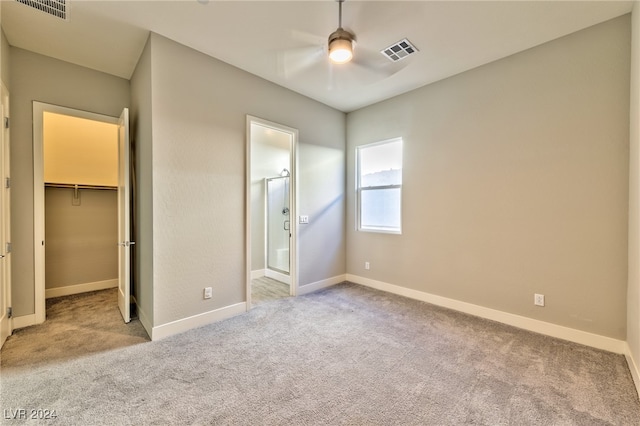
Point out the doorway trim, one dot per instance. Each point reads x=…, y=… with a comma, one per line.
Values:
x=293, y=197
x=39, y=108
x=6, y=322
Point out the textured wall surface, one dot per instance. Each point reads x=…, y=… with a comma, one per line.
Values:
x=5, y=54
x=141, y=135
x=81, y=240
x=515, y=182
x=199, y=109
x=79, y=151
x=633, y=291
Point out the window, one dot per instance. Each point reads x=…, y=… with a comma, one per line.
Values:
x=379, y=186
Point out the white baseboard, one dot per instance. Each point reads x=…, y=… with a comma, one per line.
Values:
x=278, y=276
x=537, y=326
x=318, y=285
x=258, y=273
x=195, y=321
x=80, y=288
x=23, y=321
x=633, y=367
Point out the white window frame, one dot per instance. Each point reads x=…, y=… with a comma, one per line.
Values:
x=359, y=189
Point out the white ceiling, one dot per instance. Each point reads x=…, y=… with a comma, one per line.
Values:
x=281, y=41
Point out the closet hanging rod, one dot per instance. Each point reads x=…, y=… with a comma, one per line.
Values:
x=78, y=186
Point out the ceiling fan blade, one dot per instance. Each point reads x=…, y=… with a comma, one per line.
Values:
x=294, y=61
x=331, y=80
x=360, y=72
x=350, y=75
x=308, y=38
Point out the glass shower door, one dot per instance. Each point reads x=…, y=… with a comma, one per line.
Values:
x=278, y=224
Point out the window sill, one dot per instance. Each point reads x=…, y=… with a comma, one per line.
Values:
x=381, y=230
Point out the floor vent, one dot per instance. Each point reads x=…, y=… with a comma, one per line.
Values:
x=57, y=8
x=400, y=50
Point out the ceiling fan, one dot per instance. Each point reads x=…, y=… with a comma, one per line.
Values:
x=341, y=41
x=339, y=52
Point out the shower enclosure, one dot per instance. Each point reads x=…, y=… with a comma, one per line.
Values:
x=278, y=227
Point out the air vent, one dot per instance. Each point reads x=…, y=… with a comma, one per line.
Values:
x=400, y=50
x=57, y=8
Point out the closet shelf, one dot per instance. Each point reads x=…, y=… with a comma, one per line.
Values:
x=78, y=186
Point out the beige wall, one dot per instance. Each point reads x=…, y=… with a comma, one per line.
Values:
x=633, y=291
x=199, y=110
x=141, y=135
x=79, y=151
x=4, y=56
x=62, y=84
x=81, y=240
x=5, y=59
x=515, y=182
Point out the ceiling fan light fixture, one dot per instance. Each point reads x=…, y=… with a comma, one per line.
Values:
x=340, y=46
x=340, y=51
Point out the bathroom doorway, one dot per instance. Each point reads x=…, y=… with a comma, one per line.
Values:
x=271, y=254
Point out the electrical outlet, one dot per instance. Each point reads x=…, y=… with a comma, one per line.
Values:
x=538, y=299
x=208, y=293
x=304, y=219
x=367, y=266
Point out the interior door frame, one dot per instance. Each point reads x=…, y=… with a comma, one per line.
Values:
x=39, y=108
x=5, y=218
x=124, y=217
x=293, y=206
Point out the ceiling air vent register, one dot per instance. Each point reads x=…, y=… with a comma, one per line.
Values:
x=400, y=50
x=57, y=8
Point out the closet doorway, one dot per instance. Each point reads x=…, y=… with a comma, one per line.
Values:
x=81, y=204
x=271, y=211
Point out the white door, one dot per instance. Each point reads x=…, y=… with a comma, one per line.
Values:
x=5, y=234
x=124, y=219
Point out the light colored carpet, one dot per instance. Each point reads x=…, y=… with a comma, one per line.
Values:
x=76, y=326
x=344, y=355
x=265, y=289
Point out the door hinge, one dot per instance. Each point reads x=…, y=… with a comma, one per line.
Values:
x=6, y=122
x=7, y=182
x=9, y=312
x=9, y=247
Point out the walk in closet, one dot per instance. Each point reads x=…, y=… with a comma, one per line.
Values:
x=81, y=205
